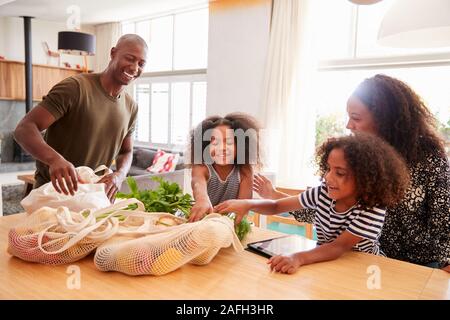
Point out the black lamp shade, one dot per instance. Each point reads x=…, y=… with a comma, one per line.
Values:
x=78, y=43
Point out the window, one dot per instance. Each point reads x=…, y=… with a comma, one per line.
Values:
x=171, y=92
x=191, y=40
x=168, y=108
x=348, y=52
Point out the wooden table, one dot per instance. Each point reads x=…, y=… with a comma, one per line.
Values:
x=29, y=182
x=230, y=275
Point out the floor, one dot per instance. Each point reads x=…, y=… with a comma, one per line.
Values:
x=285, y=228
x=11, y=192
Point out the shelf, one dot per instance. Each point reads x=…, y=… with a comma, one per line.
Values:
x=12, y=78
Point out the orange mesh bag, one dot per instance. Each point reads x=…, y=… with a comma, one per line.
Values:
x=59, y=236
x=165, y=250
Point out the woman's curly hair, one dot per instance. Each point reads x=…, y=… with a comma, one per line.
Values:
x=380, y=173
x=239, y=122
x=401, y=117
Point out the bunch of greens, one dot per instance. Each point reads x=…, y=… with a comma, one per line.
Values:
x=243, y=228
x=168, y=197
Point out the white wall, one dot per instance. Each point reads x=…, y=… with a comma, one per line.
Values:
x=238, y=44
x=12, y=45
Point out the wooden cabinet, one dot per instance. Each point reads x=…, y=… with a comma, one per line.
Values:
x=12, y=79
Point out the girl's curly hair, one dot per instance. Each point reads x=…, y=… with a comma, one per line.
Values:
x=380, y=173
x=401, y=117
x=240, y=123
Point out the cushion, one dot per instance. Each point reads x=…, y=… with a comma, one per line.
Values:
x=164, y=162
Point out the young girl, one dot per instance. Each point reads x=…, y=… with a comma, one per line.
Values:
x=362, y=174
x=223, y=152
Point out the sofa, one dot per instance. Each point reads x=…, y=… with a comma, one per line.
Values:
x=143, y=158
x=145, y=182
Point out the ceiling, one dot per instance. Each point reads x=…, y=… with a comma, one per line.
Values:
x=92, y=11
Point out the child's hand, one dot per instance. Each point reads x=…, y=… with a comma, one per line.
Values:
x=263, y=187
x=285, y=264
x=200, y=209
x=239, y=207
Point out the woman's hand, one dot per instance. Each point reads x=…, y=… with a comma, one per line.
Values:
x=239, y=207
x=264, y=187
x=200, y=209
x=285, y=264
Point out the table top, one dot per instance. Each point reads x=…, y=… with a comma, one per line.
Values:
x=231, y=275
x=27, y=178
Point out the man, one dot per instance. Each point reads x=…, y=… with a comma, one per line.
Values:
x=89, y=121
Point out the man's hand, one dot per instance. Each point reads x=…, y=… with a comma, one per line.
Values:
x=63, y=175
x=239, y=207
x=200, y=209
x=112, y=182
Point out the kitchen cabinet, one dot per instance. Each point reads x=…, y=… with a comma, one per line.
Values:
x=12, y=79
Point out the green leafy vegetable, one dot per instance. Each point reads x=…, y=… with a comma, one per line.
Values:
x=243, y=228
x=168, y=197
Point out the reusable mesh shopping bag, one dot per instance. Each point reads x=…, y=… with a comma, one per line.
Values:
x=165, y=250
x=60, y=236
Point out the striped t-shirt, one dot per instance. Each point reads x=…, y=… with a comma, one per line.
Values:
x=364, y=223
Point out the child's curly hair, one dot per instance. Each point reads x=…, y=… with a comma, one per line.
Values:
x=401, y=116
x=380, y=173
x=236, y=121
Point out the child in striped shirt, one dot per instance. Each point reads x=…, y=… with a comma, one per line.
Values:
x=361, y=175
x=223, y=153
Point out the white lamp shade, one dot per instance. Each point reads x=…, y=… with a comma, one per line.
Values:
x=416, y=24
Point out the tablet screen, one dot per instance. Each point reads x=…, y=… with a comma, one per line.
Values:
x=282, y=246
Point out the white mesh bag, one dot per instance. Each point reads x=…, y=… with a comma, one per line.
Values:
x=166, y=249
x=59, y=236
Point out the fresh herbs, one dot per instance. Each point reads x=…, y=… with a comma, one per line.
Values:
x=168, y=197
x=243, y=228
